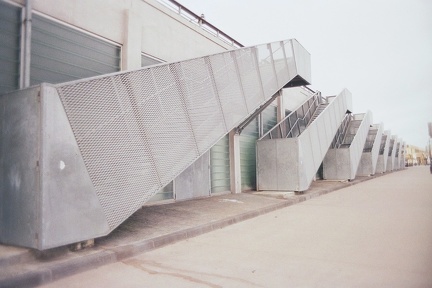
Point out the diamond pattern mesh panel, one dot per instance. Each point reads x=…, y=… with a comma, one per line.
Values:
x=266, y=68
x=249, y=78
x=138, y=130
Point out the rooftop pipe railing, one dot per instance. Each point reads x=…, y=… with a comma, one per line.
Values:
x=199, y=21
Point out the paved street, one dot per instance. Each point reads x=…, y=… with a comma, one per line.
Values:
x=374, y=234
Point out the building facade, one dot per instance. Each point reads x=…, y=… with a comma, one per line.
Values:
x=79, y=39
x=51, y=41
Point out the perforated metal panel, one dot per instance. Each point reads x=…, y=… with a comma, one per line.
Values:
x=228, y=88
x=291, y=163
x=138, y=130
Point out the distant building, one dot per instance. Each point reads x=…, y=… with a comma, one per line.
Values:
x=415, y=156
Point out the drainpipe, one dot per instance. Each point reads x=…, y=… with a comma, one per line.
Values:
x=27, y=44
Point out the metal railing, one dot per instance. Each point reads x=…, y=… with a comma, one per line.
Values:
x=383, y=144
x=315, y=140
x=340, y=134
x=370, y=139
x=390, y=151
x=291, y=125
x=357, y=144
x=199, y=21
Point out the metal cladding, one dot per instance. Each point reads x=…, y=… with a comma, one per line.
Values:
x=391, y=153
x=341, y=163
x=103, y=146
x=369, y=158
x=399, y=162
x=402, y=155
x=383, y=152
x=291, y=163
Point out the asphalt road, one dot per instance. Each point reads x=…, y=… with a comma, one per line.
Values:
x=374, y=234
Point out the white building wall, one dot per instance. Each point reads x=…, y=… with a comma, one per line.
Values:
x=137, y=25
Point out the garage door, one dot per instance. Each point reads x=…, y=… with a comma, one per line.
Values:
x=220, y=166
x=60, y=53
x=10, y=26
x=248, y=138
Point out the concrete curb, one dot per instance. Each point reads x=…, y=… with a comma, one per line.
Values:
x=105, y=255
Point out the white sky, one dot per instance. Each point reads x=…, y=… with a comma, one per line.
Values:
x=381, y=50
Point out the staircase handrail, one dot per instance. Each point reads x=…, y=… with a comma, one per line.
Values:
x=317, y=98
x=200, y=21
x=345, y=124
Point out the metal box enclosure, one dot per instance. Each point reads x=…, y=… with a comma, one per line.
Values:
x=79, y=158
x=391, y=153
x=290, y=164
x=383, y=153
x=369, y=159
x=397, y=165
x=47, y=198
x=342, y=163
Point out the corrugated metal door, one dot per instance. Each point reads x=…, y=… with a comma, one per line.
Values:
x=248, y=138
x=220, y=166
x=60, y=53
x=10, y=25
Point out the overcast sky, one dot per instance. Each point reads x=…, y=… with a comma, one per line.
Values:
x=380, y=50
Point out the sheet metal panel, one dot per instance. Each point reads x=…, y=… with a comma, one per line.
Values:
x=300, y=156
x=71, y=210
x=10, y=39
x=135, y=132
x=266, y=165
x=391, y=153
x=19, y=159
x=356, y=147
x=248, y=139
x=347, y=159
x=60, y=53
x=383, y=152
x=220, y=166
x=194, y=182
x=337, y=107
x=369, y=159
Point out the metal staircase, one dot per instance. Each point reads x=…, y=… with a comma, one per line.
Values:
x=296, y=122
x=289, y=155
x=383, y=153
x=342, y=162
x=391, y=153
x=340, y=133
x=402, y=156
x=396, y=165
x=318, y=111
x=369, y=158
x=93, y=151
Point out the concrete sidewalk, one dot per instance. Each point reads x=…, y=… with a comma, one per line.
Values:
x=150, y=228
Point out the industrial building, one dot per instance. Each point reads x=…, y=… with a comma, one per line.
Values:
x=110, y=105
